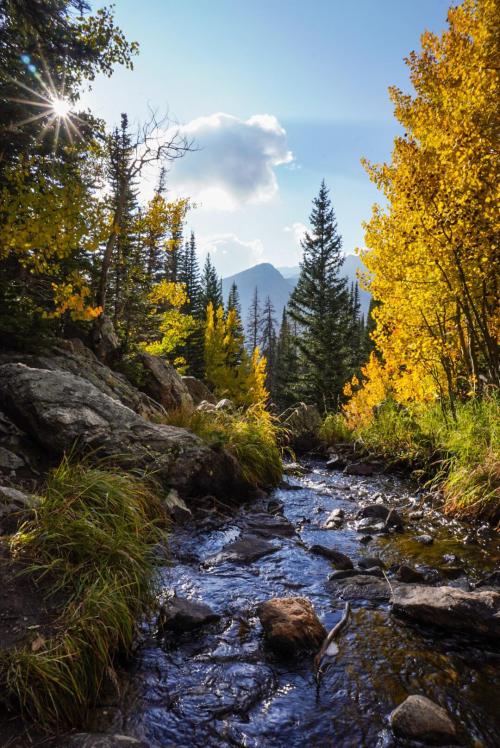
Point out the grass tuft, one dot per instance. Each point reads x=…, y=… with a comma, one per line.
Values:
x=93, y=536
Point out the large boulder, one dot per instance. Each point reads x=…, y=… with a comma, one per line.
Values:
x=164, y=384
x=74, y=357
x=303, y=423
x=198, y=390
x=420, y=719
x=291, y=625
x=475, y=612
x=62, y=411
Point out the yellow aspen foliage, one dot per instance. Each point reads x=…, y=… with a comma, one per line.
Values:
x=48, y=223
x=166, y=301
x=432, y=253
x=228, y=367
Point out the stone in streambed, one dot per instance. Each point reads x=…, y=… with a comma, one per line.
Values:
x=294, y=469
x=269, y=525
x=181, y=614
x=245, y=550
x=419, y=718
x=476, y=612
x=425, y=539
x=359, y=468
x=361, y=587
x=490, y=580
x=369, y=562
x=291, y=625
x=336, y=462
x=340, y=560
x=349, y=573
x=410, y=575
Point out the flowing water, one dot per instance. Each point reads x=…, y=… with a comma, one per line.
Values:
x=220, y=686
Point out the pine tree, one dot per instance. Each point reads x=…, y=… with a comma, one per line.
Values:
x=233, y=304
x=320, y=306
x=286, y=366
x=211, y=291
x=268, y=341
x=189, y=275
x=253, y=321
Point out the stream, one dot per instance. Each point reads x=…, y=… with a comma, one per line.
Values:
x=220, y=686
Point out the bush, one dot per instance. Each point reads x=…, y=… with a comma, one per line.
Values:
x=93, y=537
x=251, y=435
x=335, y=430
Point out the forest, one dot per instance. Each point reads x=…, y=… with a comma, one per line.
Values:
x=134, y=396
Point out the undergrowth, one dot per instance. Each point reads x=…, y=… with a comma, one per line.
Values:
x=92, y=537
x=460, y=455
x=251, y=435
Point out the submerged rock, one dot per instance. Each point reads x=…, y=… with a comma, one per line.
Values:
x=181, y=614
x=245, y=550
x=476, y=612
x=269, y=525
x=419, y=718
x=290, y=625
x=340, y=560
x=406, y=573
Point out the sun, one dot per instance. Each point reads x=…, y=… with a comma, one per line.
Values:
x=60, y=107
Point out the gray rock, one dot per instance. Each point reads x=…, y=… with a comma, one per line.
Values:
x=419, y=718
x=349, y=573
x=369, y=562
x=269, y=525
x=360, y=587
x=206, y=407
x=225, y=404
x=15, y=507
x=340, y=560
x=60, y=410
x=336, y=462
x=476, y=612
x=181, y=614
x=334, y=519
x=198, y=390
x=290, y=625
x=245, y=550
x=425, y=539
x=176, y=507
x=164, y=384
x=490, y=580
x=374, y=511
x=105, y=340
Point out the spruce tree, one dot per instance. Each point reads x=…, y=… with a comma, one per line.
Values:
x=320, y=306
x=253, y=322
x=189, y=274
x=286, y=366
x=211, y=291
x=268, y=341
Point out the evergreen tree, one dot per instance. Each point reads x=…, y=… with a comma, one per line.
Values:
x=370, y=325
x=189, y=274
x=320, y=306
x=233, y=304
x=268, y=341
x=286, y=366
x=253, y=321
x=356, y=331
x=211, y=291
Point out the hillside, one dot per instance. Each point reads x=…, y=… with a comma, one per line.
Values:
x=278, y=283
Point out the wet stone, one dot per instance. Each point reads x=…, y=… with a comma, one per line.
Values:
x=361, y=587
x=365, y=539
x=359, y=468
x=349, y=573
x=490, y=580
x=425, y=539
x=419, y=718
x=290, y=625
x=406, y=573
x=369, y=562
x=181, y=614
x=245, y=550
x=269, y=525
x=340, y=560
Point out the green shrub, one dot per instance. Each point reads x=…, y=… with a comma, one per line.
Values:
x=334, y=430
x=93, y=535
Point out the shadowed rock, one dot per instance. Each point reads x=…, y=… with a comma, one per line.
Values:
x=245, y=550
x=475, y=612
x=198, y=390
x=340, y=560
x=164, y=384
x=181, y=614
x=419, y=718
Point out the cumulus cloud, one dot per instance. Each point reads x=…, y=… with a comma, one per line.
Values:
x=229, y=253
x=235, y=161
x=298, y=231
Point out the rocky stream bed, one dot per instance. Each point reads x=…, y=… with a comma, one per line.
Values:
x=209, y=677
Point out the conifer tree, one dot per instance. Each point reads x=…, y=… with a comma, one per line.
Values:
x=211, y=291
x=253, y=321
x=268, y=341
x=286, y=366
x=233, y=303
x=189, y=274
x=320, y=304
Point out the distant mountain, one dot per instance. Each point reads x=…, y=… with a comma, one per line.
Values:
x=278, y=283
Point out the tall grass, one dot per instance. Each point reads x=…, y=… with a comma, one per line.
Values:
x=93, y=536
x=460, y=455
x=251, y=435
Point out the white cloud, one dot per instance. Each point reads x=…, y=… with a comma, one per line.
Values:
x=229, y=253
x=235, y=161
x=298, y=230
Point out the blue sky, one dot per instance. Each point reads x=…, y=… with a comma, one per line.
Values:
x=277, y=94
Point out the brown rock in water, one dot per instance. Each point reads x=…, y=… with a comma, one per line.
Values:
x=475, y=612
x=181, y=614
x=291, y=625
x=419, y=718
x=339, y=560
